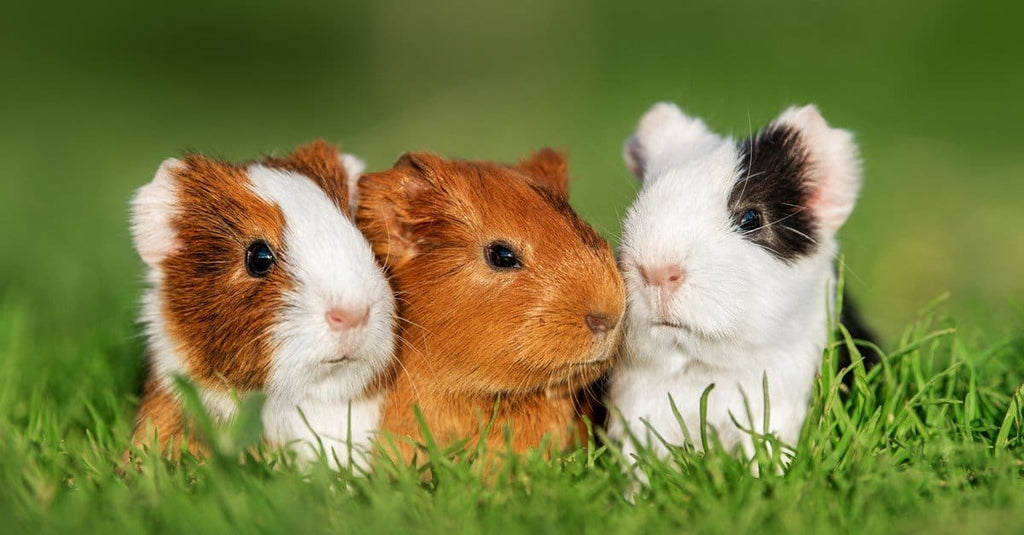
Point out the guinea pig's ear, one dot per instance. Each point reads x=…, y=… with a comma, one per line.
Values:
x=833, y=165
x=354, y=168
x=387, y=211
x=322, y=163
x=663, y=129
x=549, y=168
x=152, y=211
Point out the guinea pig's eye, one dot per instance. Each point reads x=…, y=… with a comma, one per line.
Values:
x=259, y=258
x=501, y=256
x=750, y=220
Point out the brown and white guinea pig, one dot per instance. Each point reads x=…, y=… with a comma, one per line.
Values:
x=504, y=295
x=260, y=281
x=728, y=257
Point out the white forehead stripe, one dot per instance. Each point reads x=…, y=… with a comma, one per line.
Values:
x=682, y=203
x=326, y=254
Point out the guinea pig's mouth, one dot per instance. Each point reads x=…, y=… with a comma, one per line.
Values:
x=688, y=330
x=337, y=360
x=672, y=324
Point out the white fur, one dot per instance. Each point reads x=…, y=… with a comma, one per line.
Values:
x=354, y=168
x=740, y=314
x=834, y=163
x=153, y=207
x=331, y=265
x=152, y=210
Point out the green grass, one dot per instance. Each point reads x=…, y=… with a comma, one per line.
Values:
x=94, y=96
x=932, y=441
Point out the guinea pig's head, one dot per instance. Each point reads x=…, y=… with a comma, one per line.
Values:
x=259, y=277
x=503, y=286
x=725, y=240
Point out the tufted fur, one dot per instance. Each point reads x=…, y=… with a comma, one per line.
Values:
x=208, y=319
x=751, y=304
x=473, y=335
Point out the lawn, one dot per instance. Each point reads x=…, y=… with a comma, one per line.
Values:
x=93, y=97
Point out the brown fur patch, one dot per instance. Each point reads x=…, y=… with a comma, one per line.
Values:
x=219, y=315
x=319, y=161
x=473, y=333
x=160, y=412
x=549, y=168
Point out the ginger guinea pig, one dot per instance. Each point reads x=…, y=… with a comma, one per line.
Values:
x=260, y=281
x=504, y=295
x=728, y=257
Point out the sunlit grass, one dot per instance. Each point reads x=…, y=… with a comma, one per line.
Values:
x=93, y=99
x=931, y=434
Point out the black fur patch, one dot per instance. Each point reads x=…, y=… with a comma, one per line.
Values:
x=852, y=319
x=773, y=181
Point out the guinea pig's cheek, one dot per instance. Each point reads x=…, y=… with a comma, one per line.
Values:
x=641, y=305
x=604, y=353
x=377, y=344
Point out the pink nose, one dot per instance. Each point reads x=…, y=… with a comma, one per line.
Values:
x=668, y=277
x=340, y=319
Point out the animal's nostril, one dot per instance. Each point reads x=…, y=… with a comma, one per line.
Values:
x=599, y=323
x=668, y=277
x=340, y=319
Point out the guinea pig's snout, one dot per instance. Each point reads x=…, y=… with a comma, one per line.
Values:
x=600, y=323
x=666, y=277
x=343, y=319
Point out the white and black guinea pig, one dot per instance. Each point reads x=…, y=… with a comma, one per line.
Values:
x=259, y=281
x=728, y=258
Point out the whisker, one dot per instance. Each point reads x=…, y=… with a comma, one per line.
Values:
x=407, y=344
x=750, y=157
x=769, y=224
x=412, y=382
x=795, y=231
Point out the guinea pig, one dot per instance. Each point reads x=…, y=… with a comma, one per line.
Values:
x=509, y=304
x=728, y=253
x=260, y=281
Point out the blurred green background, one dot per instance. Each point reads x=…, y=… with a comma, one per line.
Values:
x=94, y=95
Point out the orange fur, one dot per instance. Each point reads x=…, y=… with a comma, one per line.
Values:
x=319, y=161
x=472, y=334
x=160, y=412
x=218, y=317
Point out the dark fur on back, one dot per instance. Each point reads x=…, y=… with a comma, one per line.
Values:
x=853, y=320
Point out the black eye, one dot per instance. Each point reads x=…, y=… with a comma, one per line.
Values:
x=750, y=220
x=501, y=256
x=259, y=258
